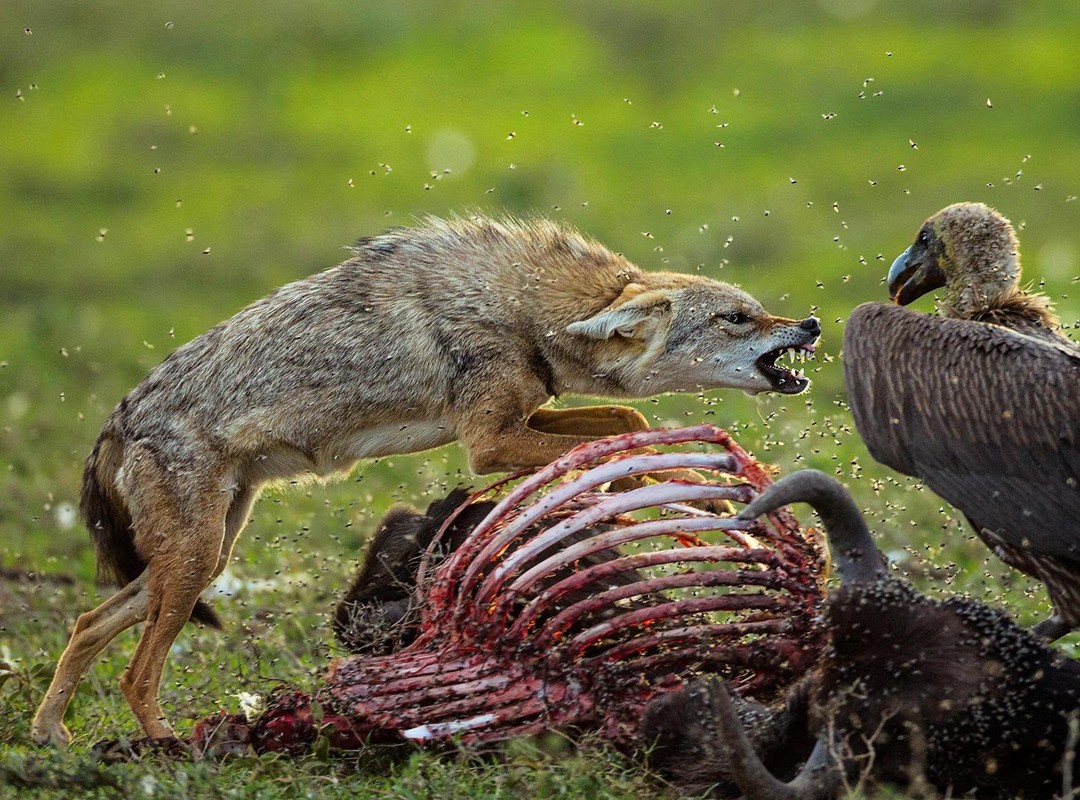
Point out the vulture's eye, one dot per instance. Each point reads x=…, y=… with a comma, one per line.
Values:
x=736, y=318
x=924, y=237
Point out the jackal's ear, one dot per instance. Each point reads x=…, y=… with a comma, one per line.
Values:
x=634, y=314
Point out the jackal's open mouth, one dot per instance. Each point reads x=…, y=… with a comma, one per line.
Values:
x=786, y=381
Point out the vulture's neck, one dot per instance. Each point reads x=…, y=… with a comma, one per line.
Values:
x=1014, y=308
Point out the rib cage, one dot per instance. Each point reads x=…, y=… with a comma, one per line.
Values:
x=515, y=639
x=499, y=655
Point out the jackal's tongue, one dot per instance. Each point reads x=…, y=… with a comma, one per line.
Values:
x=783, y=380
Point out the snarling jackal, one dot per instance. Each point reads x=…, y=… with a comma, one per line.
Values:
x=453, y=330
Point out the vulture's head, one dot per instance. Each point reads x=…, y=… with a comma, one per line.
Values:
x=969, y=250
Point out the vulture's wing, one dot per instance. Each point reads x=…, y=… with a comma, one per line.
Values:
x=989, y=418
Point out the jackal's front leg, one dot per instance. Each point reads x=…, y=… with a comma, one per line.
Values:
x=598, y=421
x=592, y=421
x=505, y=444
x=549, y=433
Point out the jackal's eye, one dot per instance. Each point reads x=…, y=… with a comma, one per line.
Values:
x=736, y=318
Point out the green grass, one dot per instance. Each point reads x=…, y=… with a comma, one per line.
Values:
x=163, y=165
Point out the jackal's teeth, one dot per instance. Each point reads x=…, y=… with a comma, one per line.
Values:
x=791, y=356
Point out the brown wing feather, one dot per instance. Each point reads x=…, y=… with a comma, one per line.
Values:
x=989, y=418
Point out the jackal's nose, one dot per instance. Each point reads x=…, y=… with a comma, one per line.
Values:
x=812, y=324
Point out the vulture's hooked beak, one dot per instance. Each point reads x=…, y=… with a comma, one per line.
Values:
x=914, y=274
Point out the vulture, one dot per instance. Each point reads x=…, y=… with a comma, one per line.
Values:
x=981, y=401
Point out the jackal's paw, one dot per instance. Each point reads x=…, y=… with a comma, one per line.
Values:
x=722, y=508
x=51, y=733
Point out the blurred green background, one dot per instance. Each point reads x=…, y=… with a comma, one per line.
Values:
x=164, y=164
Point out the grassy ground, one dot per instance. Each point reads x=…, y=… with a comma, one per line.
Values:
x=164, y=165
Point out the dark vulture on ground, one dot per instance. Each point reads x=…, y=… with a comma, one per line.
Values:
x=982, y=402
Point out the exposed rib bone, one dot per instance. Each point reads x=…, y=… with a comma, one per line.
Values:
x=645, y=497
x=617, y=468
x=609, y=597
x=727, y=602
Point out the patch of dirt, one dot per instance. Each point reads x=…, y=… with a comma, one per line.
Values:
x=16, y=575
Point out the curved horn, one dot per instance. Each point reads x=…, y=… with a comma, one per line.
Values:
x=819, y=778
x=856, y=557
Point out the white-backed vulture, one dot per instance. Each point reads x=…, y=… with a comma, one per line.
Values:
x=981, y=402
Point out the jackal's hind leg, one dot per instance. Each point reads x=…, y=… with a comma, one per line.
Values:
x=179, y=521
x=93, y=631
x=174, y=582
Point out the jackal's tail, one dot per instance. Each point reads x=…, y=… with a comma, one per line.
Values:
x=109, y=523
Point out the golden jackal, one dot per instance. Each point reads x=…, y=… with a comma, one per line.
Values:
x=456, y=329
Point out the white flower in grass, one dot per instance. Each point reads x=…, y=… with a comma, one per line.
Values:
x=250, y=704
